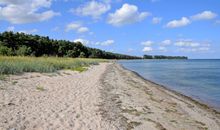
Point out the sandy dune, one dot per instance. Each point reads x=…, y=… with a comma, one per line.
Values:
x=106, y=97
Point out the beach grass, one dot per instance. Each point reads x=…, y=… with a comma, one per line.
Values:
x=17, y=65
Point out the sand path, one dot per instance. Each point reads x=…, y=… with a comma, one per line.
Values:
x=69, y=101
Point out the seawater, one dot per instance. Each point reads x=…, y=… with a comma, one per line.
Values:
x=199, y=79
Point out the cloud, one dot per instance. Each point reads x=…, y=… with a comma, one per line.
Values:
x=26, y=11
x=178, y=23
x=83, y=41
x=76, y=26
x=147, y=49
x=105, y=43
x=11, y=28
x=205, y=15
x=162, y=48
x=83, y=29
x=194, y=49
x=147, y=43
x=127, y=14
x=187, y=45
x=156, y=20
x=87, y=42
x=93, y=8
x=166, y=42
x=29, y=31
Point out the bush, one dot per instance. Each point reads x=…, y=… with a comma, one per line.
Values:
x=23, y=51
x=5, y=51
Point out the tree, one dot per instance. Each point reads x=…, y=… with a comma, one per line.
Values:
x=148, y=57
x=34, y=45
x=82, y=55
x=23, y=51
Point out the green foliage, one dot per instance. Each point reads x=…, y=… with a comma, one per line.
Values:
x=148, y=57
x=40, y=88
x=34, y=45
x=23, y=51
x=15, y=65
x=79, y=69
x=5, y=51
x=2, y=77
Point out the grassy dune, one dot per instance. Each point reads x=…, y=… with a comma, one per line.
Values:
x=16, y=65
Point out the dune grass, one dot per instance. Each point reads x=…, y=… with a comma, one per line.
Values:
x=17, y=65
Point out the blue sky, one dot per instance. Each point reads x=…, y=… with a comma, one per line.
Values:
x=136, y=27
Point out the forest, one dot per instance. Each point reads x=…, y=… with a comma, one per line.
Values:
x=21, y=44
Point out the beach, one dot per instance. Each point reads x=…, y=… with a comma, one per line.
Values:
x=105, y=97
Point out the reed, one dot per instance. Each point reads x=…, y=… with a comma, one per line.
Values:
x=16, y=64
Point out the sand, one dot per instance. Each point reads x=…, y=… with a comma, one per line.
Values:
x=105, y=97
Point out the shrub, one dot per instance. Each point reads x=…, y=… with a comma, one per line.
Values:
x=5, y=51
x=23, y=51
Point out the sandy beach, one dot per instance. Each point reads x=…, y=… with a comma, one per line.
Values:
x=105, y=97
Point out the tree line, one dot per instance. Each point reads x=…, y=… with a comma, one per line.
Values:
x=163, y=57
x=21, y=44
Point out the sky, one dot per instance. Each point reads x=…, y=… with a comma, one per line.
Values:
x=135, y=27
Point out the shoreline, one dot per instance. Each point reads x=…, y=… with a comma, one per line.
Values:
x=200, y=103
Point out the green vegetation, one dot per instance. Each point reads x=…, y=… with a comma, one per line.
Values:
x=80, y=69
x=21, y=44
x=40, y=88
x=164, y=57
x=2, y=77
x=16, y=64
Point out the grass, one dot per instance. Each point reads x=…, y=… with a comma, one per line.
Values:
x=2, y=77
x=40, y=88
x=79, y=69
x=17, y=65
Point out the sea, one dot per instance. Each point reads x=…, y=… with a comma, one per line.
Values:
x=198, y=79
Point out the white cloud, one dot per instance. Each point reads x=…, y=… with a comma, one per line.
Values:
x=105, y=43
x=93, y=8
x=147, y=43
x=178, y=23
x=83, y=41
x=26, y=11
x=156, y=20
x=127, y=14
x=87, y=42
x=166, y=42
x=205, y=15
x=187, y=45
x=11, y=28
x=77, y=27
x=83, y=29
x=162, y=48
x=29, y=31
x=200, y=49
x=147, y=49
